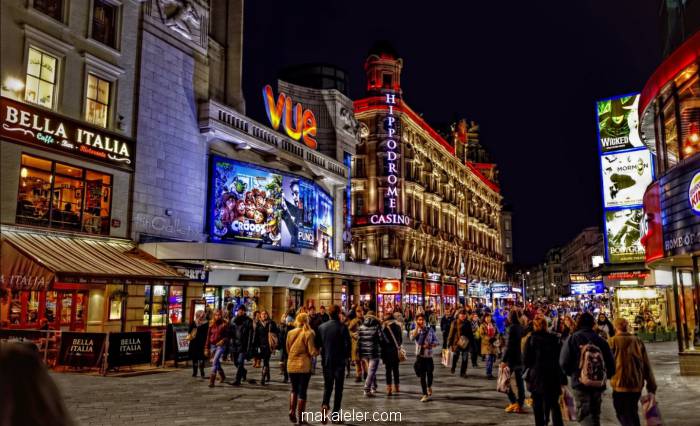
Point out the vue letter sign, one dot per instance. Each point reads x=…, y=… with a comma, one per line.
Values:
x=299, y=124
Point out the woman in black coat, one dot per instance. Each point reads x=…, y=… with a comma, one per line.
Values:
x=390, y=352
x=544, y=376
x=198, y=331
x=261, y=341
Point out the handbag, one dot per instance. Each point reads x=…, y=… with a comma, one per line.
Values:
x=401, y=351
x=463, y=342
x=273, y=340
x=503, y=382
x=652, y=415
x=567, y=404
x=192, y=335
x=447, y=357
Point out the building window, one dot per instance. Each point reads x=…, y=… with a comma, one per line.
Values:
x=508, y=243
x=52, y=8
x=359, y=205
x=97, y=100
x=41, y=78
x=57, y=195
x=385, y=246
x=104, y=22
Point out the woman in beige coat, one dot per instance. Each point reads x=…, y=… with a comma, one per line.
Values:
x=489, y=336
x=300, y=350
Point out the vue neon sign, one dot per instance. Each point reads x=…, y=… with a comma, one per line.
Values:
x=298, y=123
x=392, y=193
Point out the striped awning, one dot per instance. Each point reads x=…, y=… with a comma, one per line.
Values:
x=71, y=256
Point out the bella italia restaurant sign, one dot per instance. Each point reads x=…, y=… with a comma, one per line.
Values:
x=34, y=126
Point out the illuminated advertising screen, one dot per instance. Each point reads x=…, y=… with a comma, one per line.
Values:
x=626, y=176
x=618, y=123
x=622, y=229
x=268, y=208
x=595, y=287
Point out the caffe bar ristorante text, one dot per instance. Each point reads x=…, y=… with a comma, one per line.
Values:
x=34, y=126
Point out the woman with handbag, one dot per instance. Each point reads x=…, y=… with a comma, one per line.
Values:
x=489, y=337
x=300, y=348
x=426, y=340
x=461, y=337
x=197, y=336
x=217, y=340
x=392, y=352
x=265, y=340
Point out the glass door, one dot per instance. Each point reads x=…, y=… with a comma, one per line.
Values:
x=687, y=308
x=72, y=306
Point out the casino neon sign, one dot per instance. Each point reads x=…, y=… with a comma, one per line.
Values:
x=298, y=123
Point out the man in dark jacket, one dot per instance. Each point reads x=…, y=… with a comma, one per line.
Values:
x=333, y=339
x=322, y=313
x=513, y=358
x=241, y=330
x=588, y=399
x=445, y=324
x=370, y=342
x=461, y=328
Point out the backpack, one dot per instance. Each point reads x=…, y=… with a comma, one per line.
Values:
x=592, y=366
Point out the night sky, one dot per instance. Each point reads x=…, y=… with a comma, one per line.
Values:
x=528, y=72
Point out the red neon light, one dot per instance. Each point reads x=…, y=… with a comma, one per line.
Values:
x=376, y=103
x=681, y=58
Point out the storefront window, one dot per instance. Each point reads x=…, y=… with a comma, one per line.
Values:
x=156, y=306
x=33, y=307
x=212, y=300
x=50, y=311
x=15, y=308
x=62, y=196
x=242, y=296
x=175, y=305
x=295, y=299
x=115, y=308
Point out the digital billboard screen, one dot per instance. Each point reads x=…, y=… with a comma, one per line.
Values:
x=618, y=124
x=622, y=229
x=594, y=287
x=626, y=176
x=268, y=208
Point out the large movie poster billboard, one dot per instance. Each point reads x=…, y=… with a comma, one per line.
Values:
x=626, y=176
x=268, y=208
x=618, y=123
x=622, y=229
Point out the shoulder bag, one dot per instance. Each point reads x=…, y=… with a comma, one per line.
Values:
x=401, y=351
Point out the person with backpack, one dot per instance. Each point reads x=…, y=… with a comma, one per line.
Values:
x=632, y=369
x=489, y=336
x=513, y=358
x=587, y=360
x=544, y=377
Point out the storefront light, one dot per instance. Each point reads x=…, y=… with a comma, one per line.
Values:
x=13, y=84
x=23, y=172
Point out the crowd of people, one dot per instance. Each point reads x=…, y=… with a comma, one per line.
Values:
x=543, y=349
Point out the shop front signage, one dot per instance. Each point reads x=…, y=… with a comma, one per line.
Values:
x=193, y=272
x=584, y=278
x=651, y=228
x=679, y=195
x=81, y=349
x=333, y=265
x=694, y=193
x=298, y=123
x=391, y=217
x=33, y=126
x=587, y=288
x=500, y=288
x=389, y=286
x=129, y=348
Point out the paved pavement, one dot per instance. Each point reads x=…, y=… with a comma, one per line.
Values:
x=175, y=398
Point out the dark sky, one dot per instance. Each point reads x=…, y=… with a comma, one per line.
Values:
x=528, y=72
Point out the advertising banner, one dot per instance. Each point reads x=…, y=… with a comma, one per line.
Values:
x=129, y=348
x=651, y=226
x=618, y=124
x=587, y=288
x=81, y=349
x=267, y=208
x=626, y=176
x=622, y=229
x=178, y=344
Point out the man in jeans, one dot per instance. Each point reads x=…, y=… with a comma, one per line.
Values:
x=370, y=341
x=333, y=340
x=513, y=358
x=241, y=339
x=588, y=399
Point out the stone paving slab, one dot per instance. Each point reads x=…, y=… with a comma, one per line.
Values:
x=176, y=398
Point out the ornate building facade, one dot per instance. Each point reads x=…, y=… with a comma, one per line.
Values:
x=416, y=204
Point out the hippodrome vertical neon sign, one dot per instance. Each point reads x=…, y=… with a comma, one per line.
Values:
x=392, y=193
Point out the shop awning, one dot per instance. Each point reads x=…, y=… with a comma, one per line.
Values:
x=28, y=256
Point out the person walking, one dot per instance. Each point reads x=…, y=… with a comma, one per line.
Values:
x=354, y=328
x=390, y=352
x=333, y=340
x=426, y=340
x=217, y=339
x=544, y=378
x=588, y=370
x=197, y=336
x=445, y=324
x=604, y=327
x=241, y=342
x=301, y=349
x=475, y=348
x=489, y=336
x=344, y=320
x=632, y=370
x=512, y=357
x=286, y=325
x=370, y=342
x=460, y=338
x=265, y=340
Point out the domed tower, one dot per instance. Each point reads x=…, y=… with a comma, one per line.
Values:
x=383, y=69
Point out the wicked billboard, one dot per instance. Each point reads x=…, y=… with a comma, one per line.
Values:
x=618, y=123
x=268, y=208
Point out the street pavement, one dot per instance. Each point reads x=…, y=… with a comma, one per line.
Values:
x=175, y=398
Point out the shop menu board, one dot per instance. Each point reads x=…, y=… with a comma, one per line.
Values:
x=130, y=348
x=627, y=169
x=81, y=349
x=268, y=208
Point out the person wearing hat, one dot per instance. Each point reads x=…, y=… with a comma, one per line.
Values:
x=241, y=342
